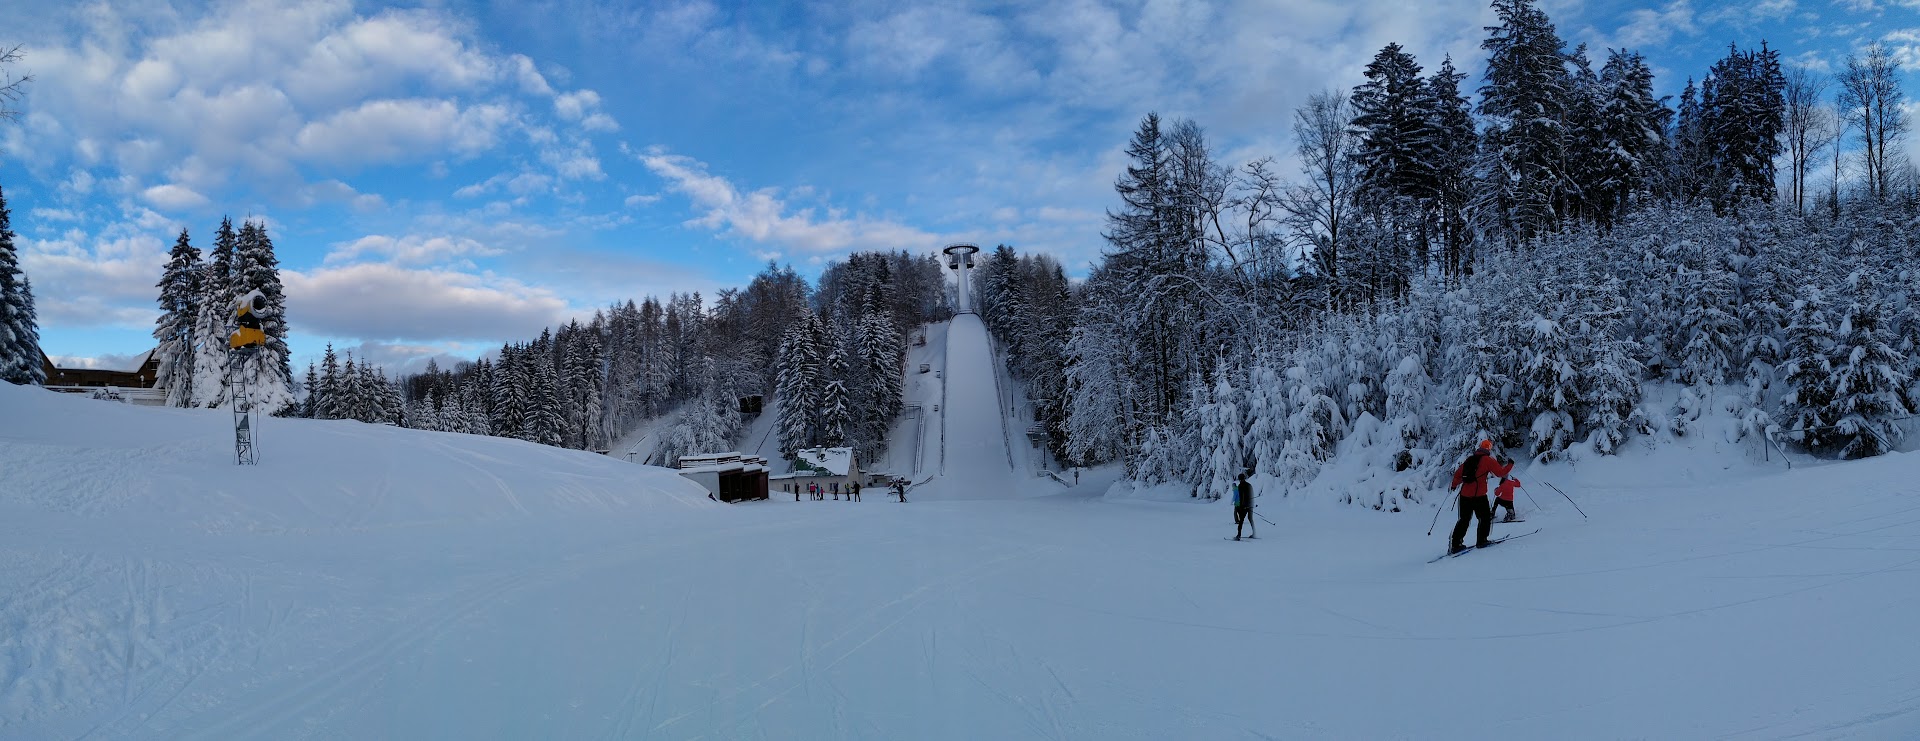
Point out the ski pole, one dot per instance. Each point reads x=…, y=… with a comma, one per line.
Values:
x=1576, y=505
x=1436, y=520
x=1536, y=502
x=1263, y=518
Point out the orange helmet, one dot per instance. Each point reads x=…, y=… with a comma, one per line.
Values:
x=1486, y=444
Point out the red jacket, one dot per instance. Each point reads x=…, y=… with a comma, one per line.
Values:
x=1505, y=490
x=1476, y=485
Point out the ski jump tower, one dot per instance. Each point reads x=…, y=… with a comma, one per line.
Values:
x=960, y=259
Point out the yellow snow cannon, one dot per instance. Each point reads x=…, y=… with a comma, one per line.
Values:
x=247, y=313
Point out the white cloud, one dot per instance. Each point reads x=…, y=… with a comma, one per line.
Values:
x=95, y=281
x=529, y=77
x=175, y=197
x=385, y=301
x=636, y=201
x=411, y=249
x=1752, y=12
x=398, y=130
x=583, y=106
x=269, y=98
x=762, y=216
x=1647, y=27
x=55, y=214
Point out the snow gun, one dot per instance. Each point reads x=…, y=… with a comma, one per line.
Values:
x=247, y=313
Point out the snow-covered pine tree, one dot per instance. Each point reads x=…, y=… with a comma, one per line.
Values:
x=510, y=393
x=1869, y=375
x=19, y=328
x=1397, y=146
x=799, y=387
x=1096, y=422
x=1609, y=380
x=1525, y=105
x=1221, y=436
x=1455, y=144
x=1266, y=406
x=179, y=308
x=836, y=409
x=544, y=424
x=210, y=329
x=1742, y=107
x=1313, y=429
x=1808, y=371
x=267, y=372
x=310, y=402
x=1632, y=124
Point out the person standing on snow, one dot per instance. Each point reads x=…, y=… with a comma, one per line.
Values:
x=1471, y=479
x=1242, y=506
x=856, y=491
x=1503, y=497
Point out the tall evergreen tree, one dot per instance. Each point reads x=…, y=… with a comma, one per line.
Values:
x=179, y=309
x=19, y=328
x=1525, y=103
x=1454, y=144
x=210, y=329
x=267, y=372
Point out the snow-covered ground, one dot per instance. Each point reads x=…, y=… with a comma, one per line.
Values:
x=373, y=582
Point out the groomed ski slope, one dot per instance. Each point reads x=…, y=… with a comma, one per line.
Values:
x=371, y=582
x=976, y=463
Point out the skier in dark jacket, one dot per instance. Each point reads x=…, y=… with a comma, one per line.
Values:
x=1471, y=479
x=1242, y=507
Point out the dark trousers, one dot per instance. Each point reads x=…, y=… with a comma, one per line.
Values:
x=1471, y=507
x=1508, y=503
x=1240, y=515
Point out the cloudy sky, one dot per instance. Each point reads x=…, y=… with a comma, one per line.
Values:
x=444, y=176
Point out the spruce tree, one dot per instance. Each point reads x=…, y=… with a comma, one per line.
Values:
x=19, y=329
x=544, y=424
x=1525, y=101
x=1807, y=405
x=179, y=309
x=836, y=409
x=1454, y=147
x=267, y=372
x=328, y=401
x=1869, y=375
x=310, y=406
x=216, y=313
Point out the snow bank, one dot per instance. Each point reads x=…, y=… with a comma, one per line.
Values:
x=174, y=468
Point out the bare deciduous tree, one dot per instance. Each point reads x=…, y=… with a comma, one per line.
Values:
x=1318, y=212
x=1870, y=98
x=11, y=89
x=1808, y=127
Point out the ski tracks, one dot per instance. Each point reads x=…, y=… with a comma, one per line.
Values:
x=877, y=622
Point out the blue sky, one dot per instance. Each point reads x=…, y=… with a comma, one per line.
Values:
x=444, y=176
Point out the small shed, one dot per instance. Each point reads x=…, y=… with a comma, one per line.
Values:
x=728, y=477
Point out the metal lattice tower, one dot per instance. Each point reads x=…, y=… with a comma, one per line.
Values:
x=244, y=421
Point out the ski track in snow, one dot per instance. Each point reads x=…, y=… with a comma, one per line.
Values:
x=408, y=585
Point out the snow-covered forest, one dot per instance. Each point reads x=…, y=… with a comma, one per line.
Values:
x=1434, y=277
x=833, y=351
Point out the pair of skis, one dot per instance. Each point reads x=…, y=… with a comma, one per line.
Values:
x=1495, y=541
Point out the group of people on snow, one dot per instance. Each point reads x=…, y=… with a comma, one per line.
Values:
x=1470, y=479
x=816, y=492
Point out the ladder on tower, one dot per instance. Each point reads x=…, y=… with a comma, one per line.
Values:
x=244, y=420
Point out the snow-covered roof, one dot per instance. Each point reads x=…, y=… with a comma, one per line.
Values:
x=835, y=461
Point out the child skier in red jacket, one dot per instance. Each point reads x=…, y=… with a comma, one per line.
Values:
x=1504, y=498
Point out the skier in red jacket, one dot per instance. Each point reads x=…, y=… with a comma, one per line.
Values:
x=1503, y=497
x=1471, y=479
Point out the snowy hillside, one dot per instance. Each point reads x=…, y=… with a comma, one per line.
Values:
x=371, y=582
